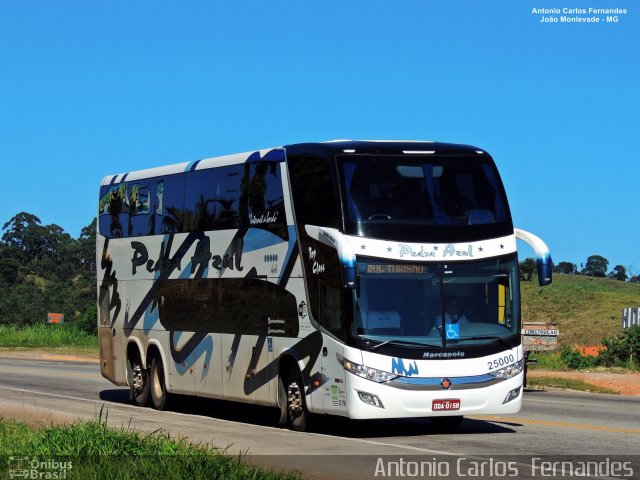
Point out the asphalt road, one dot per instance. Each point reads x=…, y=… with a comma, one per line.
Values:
x=579, y=427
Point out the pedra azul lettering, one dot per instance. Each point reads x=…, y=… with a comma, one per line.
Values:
x=199, y=261
x=164, y=261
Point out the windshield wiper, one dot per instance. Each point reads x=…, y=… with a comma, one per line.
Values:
x=404, y=343
x=487, y=337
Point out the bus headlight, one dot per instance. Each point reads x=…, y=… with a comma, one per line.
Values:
x=510, y=370
x=378, y=376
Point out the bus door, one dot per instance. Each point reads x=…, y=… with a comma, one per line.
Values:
x=332, y=318
x=334, y=390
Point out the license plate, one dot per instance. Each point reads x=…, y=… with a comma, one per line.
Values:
x=445, y=405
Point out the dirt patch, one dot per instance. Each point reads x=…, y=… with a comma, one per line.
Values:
x=592, y=351
x=49, y=356
x=36, y=416
x=623, y=383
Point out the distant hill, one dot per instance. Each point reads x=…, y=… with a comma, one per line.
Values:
x=586, y=309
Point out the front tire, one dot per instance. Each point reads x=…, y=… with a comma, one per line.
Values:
x=159, y=394
x=297, y=413
x=282, y=402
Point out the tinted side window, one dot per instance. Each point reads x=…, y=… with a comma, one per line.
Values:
x=212, y=198
x=313, y=190
x=200, y=199
x=332, y=309
x=113, y=210
x=228, y=194
x=170, y=216
x=141, y=214
x=265, y=199
x=239, y=306
x=324, y=283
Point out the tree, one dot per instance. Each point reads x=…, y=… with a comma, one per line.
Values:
x=87, y=247
x=566, y=268
x=9, y=266
x=43, y=269
x=24, y=232
x=618, y=273
x=596, y=266
x=527, y=269
x=43, y=250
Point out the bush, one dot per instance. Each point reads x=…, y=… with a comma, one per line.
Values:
x=88, y=320
x=622, y=351
x=575, y=360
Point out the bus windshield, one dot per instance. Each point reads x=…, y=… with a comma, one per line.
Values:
x=437, y=304
x=406, y=196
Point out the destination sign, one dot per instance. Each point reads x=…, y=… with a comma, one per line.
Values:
x=408, y=268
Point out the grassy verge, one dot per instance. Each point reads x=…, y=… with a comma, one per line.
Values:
x=548, y=361
x=91, y=450
x=62, y=338
x=554, y=361
x=566, y=384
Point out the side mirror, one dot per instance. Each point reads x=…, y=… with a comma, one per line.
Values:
x=543, y=257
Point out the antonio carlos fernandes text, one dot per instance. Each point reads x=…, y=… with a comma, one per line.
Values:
x=492, y=468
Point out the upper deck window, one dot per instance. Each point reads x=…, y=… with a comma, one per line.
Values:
x=313, y=191
x=227, y=197
x=404, y=198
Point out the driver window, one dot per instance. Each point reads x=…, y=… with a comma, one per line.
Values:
x=331, y=310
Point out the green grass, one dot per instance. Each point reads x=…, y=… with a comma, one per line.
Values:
x=586, y=309
x=59, y=337
x=548, y=361
x=96, y=451
x=566, y=384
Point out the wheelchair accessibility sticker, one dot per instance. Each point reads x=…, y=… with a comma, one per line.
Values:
x=452, y=331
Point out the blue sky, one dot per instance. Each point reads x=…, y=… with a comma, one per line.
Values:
x=91, y=88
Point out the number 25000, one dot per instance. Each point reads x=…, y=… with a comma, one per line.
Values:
x=501, y=362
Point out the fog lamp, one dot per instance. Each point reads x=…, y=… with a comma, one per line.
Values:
x=370, y=399
x=512, y=395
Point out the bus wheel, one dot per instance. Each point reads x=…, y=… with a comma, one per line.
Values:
x=159, y=394
x=282, y=402
x=139, y=382
x=447, y=422
x=297, y=414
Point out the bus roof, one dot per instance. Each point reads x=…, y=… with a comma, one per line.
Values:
x=333, y=147
x=383, y=147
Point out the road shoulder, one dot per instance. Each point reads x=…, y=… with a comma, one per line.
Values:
x=622, y=383
x=50, y=355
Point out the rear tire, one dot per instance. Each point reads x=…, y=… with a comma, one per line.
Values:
x=297, y=413
x=139, y=382
x=159, y=394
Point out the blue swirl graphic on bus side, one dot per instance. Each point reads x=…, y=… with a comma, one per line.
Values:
x=203, y=346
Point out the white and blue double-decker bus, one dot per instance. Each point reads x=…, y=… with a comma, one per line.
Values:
x=366, y=279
